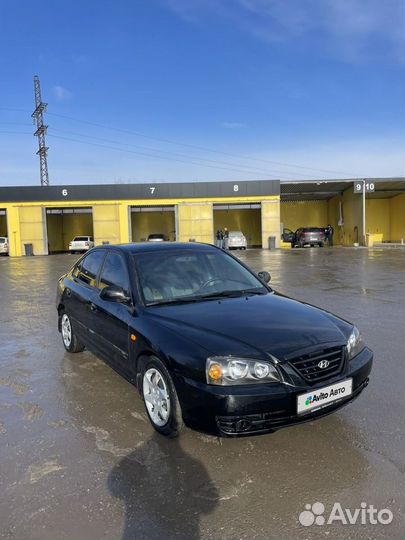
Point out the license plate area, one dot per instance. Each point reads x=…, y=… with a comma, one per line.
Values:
x=321, y=397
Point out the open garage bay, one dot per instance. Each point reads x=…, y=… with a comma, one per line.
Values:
x=78, y=458
x=146, y=220
x=64, y=224
x=240, y=217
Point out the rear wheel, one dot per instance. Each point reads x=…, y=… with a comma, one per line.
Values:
x=70, y=341
x=160, y=397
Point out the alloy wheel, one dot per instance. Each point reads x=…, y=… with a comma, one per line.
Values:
x=66, y=331
x=156, y=396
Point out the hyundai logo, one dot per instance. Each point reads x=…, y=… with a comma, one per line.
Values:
x=323, y=364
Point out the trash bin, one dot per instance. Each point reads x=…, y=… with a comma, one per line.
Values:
x=369, y=240
x=29, y=250
x=272, y=242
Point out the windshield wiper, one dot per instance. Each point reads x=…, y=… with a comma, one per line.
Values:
x=233, y=294
x=211, y=296
x=184, y=300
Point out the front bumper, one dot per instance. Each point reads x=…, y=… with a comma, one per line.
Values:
x=261, y=408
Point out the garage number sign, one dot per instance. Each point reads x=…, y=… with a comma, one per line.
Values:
x=358, y=187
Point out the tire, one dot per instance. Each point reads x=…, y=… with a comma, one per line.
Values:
x=166, y=418
x=70, y=341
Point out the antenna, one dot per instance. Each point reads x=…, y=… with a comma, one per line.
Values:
x=38, y=116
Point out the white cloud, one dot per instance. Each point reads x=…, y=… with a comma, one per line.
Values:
x=232, y=125
x=352, y=30
x=61, y=93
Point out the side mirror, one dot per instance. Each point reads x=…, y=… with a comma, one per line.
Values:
x=114, y=294
x=264, y=276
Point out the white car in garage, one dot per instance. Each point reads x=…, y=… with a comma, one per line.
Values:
x=81, y=244
x=236, y=240
x=3, y=245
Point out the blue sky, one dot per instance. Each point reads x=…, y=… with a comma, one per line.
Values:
x=186, y=90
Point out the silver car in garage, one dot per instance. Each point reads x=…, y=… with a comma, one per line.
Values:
x=3, y=245
x=236, y=240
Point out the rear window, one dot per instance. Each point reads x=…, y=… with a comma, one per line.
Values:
x=236, y=233
x=312, y=229
x=81, y=239
x=155, y=236
x=3, y=240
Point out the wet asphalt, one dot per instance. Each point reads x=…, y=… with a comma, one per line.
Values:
x=79, y=460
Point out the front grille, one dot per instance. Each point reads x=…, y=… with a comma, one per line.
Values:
x=307, y=364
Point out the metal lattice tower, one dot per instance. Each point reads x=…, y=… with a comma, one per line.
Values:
x=38, y=116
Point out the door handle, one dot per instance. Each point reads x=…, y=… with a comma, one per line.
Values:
x=93, y=307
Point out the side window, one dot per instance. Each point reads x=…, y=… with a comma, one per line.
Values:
x=89, y=267
x=114, y=272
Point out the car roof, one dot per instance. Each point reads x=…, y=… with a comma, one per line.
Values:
x=157, y=246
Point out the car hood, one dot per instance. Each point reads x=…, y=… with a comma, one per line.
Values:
x=252, y=325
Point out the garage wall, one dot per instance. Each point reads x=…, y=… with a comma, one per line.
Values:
x=295, y=214
x=397, y=218
x=145, y=223
x=195, y=220
x=33, y=229
x=106, y=221
x=62, y=228
x=246, y=220
x=3, y=225
x=378, y=219
x=270, y=221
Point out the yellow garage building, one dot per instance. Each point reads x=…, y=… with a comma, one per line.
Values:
x=45, y=219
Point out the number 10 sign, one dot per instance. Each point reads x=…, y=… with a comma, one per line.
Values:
x=358, y=187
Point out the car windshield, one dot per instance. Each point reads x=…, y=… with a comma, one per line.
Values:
x=185, y=275
x=81, y=239
x=2, y=240
x=235, y=233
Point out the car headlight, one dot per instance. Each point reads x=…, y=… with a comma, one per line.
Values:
x=355, y=343
x=231, y=370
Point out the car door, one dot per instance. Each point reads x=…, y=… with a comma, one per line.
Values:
x=113, y=318
x=81, y=292
x=288, y=235
x=297, y=235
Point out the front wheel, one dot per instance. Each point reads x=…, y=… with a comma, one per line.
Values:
x=70, y=341
x=160, y=398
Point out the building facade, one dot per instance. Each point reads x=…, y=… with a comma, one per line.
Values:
x=49, y=217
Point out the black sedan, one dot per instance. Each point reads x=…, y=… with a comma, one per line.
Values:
x=206, y=341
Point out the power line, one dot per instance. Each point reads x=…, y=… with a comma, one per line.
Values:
x=206, y=149
x=186, y=156
x=156, y=156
